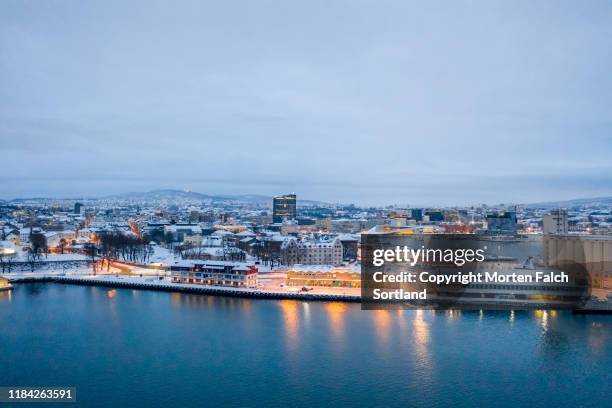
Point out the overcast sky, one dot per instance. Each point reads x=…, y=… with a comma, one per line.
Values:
x=370, y=102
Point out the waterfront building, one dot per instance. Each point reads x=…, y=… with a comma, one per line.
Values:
x=592, y=251
x=555, y=223
x=218, y=273
x=503, y=222
x=284, y=208
x=325, y=276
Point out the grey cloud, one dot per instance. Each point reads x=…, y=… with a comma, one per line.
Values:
x=362, y=101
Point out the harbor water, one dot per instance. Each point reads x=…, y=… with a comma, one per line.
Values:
x=141, y=348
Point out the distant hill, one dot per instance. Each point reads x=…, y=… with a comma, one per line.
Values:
x=165, y=195
x=579, y=202
x=170, y=194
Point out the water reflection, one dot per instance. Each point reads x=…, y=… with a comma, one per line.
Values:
x=290, y=311
x=227, y=303
x=401, y=320
x=382, y=324
x=599, y=337
x=306, y=310
x=6, y=295
x=336, y=313
x=542, y=317
x=35, y=288
x=422, y=337
x=420, y=329
x=453, y=314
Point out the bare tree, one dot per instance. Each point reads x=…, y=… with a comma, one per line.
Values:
x=38, y=245
x=61, y=245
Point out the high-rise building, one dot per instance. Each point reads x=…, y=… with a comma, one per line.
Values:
x=555, y=222
x=77, y=208
x=284, y=208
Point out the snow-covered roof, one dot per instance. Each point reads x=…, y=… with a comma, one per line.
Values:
x=245, y=233
x=221, y=232
x=352, y=268
x=214, y=264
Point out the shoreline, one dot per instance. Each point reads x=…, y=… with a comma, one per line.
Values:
x=150, y=283
x=163, y=286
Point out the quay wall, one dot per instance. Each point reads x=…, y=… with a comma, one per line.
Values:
x=186, y=288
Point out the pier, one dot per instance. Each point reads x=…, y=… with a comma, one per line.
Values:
x=154, y=283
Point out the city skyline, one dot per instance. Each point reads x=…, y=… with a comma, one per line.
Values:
x=262, y=199
x=306, y=203
x=368, y=103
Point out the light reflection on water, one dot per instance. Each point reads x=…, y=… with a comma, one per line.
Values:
x=420, y=328
x=290, y=310
x=335, y=312
x=382, y=325
x=5, y=295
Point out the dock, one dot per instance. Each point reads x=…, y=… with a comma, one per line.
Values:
x=154, y=283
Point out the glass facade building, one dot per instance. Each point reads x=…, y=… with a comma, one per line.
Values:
x=284, y=207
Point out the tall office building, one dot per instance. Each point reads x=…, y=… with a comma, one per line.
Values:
x=555, y=222
x=77, y=208
x=284, y=208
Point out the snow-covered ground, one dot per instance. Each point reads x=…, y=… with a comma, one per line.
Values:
x=162, y=255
